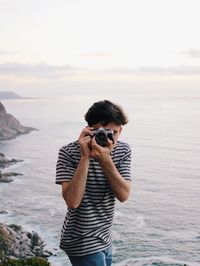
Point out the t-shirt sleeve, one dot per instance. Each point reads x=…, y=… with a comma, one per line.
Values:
x=65, y=167
x=124, y=166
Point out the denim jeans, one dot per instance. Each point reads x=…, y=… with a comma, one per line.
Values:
x=102, y=258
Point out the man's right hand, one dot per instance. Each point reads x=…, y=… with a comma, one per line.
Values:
x=85, y=140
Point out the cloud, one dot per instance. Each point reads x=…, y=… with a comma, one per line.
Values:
x=156, y=70
x=175, y=70
x=40, y=69
x=6, y=2
x=46, y=71
x=98, y=55
x=193, y=53
x=3, y=52
x=8, y=52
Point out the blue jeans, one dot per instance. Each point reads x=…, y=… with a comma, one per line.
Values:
x=102, y=258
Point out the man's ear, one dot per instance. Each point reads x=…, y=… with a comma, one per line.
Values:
x=120, y=130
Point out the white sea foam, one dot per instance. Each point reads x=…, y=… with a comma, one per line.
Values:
x=159, y=261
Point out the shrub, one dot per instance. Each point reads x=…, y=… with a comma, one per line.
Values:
x=34, y=261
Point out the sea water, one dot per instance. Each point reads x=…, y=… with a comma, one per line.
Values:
x=160, y=223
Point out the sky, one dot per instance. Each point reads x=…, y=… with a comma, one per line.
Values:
x=59, y=44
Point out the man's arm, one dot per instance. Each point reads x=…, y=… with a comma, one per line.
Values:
x=120, y=187
x=73, y=190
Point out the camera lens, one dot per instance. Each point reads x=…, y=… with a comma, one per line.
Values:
x=101, y=139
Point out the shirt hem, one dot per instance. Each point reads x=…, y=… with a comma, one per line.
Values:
x=71, y=254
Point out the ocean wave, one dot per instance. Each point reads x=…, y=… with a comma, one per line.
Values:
x=156, y=261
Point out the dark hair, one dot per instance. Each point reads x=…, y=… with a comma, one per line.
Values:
x=105, y=112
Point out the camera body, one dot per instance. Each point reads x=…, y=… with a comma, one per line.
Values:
x=102, y=135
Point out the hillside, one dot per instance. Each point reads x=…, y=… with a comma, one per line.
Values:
x=10, y=127
x=9, y=95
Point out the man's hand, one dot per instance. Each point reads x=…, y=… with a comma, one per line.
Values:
x=85, y=140
x=100, y=153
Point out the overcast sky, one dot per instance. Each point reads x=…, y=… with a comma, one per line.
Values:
x=60, y=41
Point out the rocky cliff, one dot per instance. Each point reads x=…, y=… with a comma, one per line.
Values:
x=9, y=95
x=17, y=247
x=17, y=243
x=10, y=127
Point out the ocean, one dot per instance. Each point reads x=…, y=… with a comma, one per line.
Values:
x=160, y=223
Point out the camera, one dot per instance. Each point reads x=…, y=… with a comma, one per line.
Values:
x=102, y=135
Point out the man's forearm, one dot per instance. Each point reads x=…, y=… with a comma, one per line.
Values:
x=120, y=187
x=73, y=191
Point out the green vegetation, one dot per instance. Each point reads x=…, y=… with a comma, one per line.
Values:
x=6, y=261
x=34, y=261
x=3, y=245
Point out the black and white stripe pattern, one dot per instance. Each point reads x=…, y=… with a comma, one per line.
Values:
x=87, y=229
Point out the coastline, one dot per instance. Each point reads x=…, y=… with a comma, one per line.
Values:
x=10, y=128
x=15, y=243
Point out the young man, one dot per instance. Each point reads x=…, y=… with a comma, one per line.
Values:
x=92, y=175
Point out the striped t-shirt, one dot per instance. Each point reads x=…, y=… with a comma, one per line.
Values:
x=86, y=229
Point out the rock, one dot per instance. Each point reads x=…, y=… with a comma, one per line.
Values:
x=6, y=177
x=10, y=174
x=2, y=108
x=5, y=162
x=3, y=212
x=17, y=243
x=10, y=127
x=47, y=254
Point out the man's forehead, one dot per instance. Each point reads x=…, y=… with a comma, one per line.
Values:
x=108, y=126
x=115, y=128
